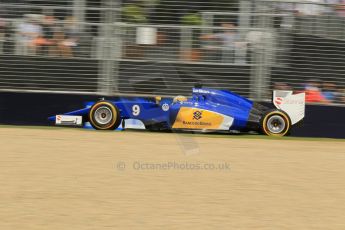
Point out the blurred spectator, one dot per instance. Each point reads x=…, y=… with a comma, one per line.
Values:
x=70, y=37
x=46, y=39
x=230, y=40
x=329, y=7
x=340, y=8
x=329, y=92
x=49, y=30
x=310, y=7
x=29, y=30
x=313, y=93
x=281, y=86
x=278, y=86
x=342, y=96
x=283, y=8
x=2, y=33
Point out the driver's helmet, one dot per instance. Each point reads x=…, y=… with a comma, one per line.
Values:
x=180, y=99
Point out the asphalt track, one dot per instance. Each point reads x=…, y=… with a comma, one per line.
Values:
x=59, y=178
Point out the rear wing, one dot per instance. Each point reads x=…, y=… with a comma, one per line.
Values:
x=292, y=104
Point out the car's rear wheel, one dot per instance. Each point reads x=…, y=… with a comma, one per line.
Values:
x=275, y=123
x=104, y=115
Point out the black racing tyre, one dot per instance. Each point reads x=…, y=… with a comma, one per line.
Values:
x=275, y=123
x=104, y=115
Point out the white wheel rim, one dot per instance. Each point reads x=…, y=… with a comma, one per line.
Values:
x=276, y=124
x=103, y=115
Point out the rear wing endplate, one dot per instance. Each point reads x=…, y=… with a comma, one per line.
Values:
x=292, y=104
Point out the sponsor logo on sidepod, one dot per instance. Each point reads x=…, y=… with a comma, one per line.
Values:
x=197, y=115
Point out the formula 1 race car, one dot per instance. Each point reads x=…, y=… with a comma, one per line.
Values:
x=206, y=110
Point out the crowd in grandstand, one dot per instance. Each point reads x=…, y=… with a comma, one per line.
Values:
x=314, y=7
x=317, y=92
x=38, y=34
x=44, y=34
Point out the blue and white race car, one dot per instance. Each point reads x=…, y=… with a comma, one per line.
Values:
x=206, y=110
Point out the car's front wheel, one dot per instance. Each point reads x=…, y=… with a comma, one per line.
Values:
x=104, y=115
x=275, y=123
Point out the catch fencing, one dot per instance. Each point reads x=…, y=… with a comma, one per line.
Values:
x=165, y=47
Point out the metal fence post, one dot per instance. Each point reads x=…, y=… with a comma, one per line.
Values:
x=107, y=82
x=79, y=10
x=261, y=68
